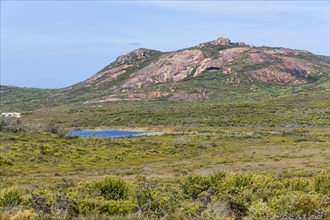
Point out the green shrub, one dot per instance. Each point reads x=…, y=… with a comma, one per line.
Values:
x=100, y=205
x=189, y=209
x=296, y=184
x=83, y=189
x=145, y=194
x=241, y=180
x=5, y=162
x=87, y=205
x=117, y=207
x=53, y=128
x=238, y=202
x=113, y=188
x=10, y=124
x=218, y=178
x=260, y=210
x=233, y=182
x=155, y=199
x=238, y=190
x=321, y=183
x=166, y=202
x=300, y=206
x=193, y=185
x=108, y=196
x=10, y=197
x=265, y=187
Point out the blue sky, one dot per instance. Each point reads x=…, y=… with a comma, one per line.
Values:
x=53, y=44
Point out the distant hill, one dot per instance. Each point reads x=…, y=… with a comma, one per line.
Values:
x=219, y=70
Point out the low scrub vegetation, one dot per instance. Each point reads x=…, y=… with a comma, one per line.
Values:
x=232, y=173
x=221, y=195
x=260, y=154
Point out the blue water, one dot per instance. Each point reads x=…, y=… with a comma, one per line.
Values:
x=105, y=133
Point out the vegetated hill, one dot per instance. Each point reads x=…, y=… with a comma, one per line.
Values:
x=145, y=74
x=219, y=70
x=25, y=99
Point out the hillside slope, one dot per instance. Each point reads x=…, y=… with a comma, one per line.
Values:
x=145, y=74
x=218, y=70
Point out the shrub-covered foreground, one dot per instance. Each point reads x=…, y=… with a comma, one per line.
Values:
x=222, y=195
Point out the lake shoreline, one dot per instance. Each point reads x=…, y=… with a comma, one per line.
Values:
x=105, y=133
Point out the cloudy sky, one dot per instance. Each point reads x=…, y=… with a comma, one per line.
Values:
x=53, y=44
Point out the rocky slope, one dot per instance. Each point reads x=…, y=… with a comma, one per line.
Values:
x=212, y=70
x=137, y=74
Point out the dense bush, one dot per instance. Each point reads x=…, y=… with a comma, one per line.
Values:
x=155, y=199
x=296, y=184
x=322, y=183
x=113, y=188
x=300, y=206
x=100, y=205
x=10, y=197
x=52, y=128
x=223, y=195
x=5, y=162
x=260, y=210
x=110, y=196
x=193, y=185
x=264, y=196
x=10, y=124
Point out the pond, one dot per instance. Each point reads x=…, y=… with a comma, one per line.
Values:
x=105, y=133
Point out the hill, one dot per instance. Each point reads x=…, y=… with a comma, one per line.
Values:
x=150, y=74
x=148, y=87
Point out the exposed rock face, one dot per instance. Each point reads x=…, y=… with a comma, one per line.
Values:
x=109, y=75
x=219, y=41
x=171, y=67
x=118, y=68
x=188, y=96
x=109, y=99
x=222, y=41
x=286, y=51
x=261, y=57
x=148, y=95
x=287, y=70
x=225, y=57
x=272, y=76
x=134, y=55
x=132, y=73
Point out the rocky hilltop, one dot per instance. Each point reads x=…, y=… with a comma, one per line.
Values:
x=138, y=74
x=220, y=71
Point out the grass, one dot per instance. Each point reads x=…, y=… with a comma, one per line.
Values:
x=58, y=166
x=296, y=110
x=281, y=144
x=42, y=157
